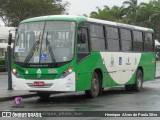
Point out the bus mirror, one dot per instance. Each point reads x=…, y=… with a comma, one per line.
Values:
x=82, y=38
x=16, y=30
x=158, y=47
x=10, y=39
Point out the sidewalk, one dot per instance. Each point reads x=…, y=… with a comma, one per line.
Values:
x=6, y=95
x=3, y=73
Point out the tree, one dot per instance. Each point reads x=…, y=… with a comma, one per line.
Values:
x=132, y=8
x=118, y=13
x=144, y=14
x=104, y=14
x=156, y=17
x=12, y=12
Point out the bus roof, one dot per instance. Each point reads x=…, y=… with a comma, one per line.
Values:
x=83, y=19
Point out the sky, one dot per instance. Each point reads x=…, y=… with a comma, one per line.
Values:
x=80, y=7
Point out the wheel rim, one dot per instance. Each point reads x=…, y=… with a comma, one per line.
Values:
x=139, y=81
x=95, y=86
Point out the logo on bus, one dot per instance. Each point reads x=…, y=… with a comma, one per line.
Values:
x=120, y=60
x=39, y=76
x=128, y=61
x=112, y=61
x=26, y=72
x=39, y=73
x=135, y=61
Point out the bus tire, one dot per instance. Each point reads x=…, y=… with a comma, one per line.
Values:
x=139, y=81
x=43, y=95
x=94, y=90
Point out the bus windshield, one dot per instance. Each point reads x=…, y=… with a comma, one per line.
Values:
x=44, y=42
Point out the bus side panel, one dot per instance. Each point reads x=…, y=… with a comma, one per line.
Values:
x=87, y=66
x=148, y=63
x=121, y=67
x=85, y=69
x=95, y=60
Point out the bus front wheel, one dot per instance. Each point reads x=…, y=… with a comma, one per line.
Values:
x=43, y=95
x=94, y=90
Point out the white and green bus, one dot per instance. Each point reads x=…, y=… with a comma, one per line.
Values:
x=62, y=53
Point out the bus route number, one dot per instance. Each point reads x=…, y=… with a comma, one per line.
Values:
x=52, y=71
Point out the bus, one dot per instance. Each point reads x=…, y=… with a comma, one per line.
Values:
x=3, y=49
x=63, y=53
x=4, y=31
x=157, y=49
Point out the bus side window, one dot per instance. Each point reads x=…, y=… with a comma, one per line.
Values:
x=113, y=39
x=137, y=41
x=82, y=44
x=148, y=42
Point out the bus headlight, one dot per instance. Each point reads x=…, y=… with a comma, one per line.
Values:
x=14, y=71
x=67, y=72
x=70, y=70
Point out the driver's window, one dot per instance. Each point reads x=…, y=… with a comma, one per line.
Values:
x=83, y=41
x=82, y=44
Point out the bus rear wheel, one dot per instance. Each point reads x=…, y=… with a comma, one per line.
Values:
x=94, y=90
x=43, y=95
x=138, y=82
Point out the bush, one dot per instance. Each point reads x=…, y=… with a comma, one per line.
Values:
x=2, y=64
x=2, y=60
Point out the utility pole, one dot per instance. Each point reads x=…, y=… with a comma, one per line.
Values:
x=9, y=61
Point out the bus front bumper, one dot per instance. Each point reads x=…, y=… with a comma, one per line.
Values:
x=60, y=85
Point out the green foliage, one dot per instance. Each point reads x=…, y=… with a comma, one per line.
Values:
x=2, y=61
x=143, y=14
x=14, y=11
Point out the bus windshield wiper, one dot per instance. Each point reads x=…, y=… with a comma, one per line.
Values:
x=31, y=52
x=50, y=49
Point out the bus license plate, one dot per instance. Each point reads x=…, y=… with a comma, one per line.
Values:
x=39, y=83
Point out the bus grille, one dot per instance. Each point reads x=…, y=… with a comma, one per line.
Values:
x=43, y=76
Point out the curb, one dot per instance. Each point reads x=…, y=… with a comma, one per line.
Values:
x=3, y=73
x=158, y=77
x=13, y=97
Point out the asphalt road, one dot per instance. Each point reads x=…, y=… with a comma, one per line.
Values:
x=113, y=99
